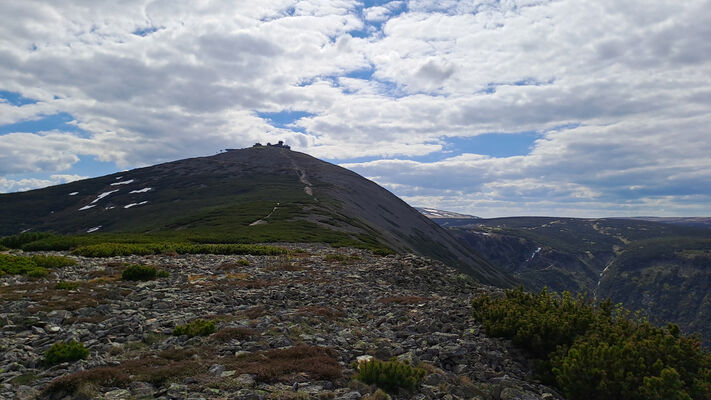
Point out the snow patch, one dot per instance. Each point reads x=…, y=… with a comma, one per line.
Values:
x=534, y=253
x=87, y=207
x=135, y=204
x=73, y=193
x=122, y=183
x=102, y=195
x=119, y=177
x=144, y=190
x=94, y=229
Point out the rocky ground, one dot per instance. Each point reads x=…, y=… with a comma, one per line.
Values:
x=288, y=327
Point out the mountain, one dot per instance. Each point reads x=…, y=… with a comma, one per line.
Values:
x=662, y=269
x=446, y=218
x=259, y=194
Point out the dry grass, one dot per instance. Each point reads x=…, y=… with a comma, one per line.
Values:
x=325, y=312
x=101, y=376
x=404, y=300
x=285, y=267
x=254, y=312
x=283, y=365
x=238, y=333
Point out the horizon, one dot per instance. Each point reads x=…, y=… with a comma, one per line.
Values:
x=516, y=108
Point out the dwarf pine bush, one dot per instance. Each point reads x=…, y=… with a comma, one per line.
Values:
x=65, y=352
x=595, y=351
x=198, y=327
x=390, y=375
x=138, y=272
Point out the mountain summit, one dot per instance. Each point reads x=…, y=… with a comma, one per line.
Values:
x=259, y=194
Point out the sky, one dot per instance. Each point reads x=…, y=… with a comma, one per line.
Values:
x=491, y=108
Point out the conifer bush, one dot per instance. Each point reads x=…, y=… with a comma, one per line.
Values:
x=198, y=327
x=595, y=351
x=390, y=375
x=65, y=352
x=136, y=272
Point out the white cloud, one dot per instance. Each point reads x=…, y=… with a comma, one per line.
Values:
x=21, y=185
x=634, y=77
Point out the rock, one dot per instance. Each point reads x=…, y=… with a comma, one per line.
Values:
x=27, y=393
x=244, y=381
x=217, y=370
x=142, y=390
x=118, y=394
x=350, y=396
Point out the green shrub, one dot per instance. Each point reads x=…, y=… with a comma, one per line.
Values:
x=53, y=243
x=390, y=375
x=65, y=285
x=125, y=249
x=17, y=265
x=136, y=272
x=591, y=351
x=17, y=241
x=539, y=322
x=52, y=261
x=198, y=327
x=65, y=352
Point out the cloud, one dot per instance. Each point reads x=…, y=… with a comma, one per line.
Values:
x=618, y=92
x=21, y=185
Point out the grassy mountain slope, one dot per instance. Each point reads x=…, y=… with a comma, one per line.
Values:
x=264, y=194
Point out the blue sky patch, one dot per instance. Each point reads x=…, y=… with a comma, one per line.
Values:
x=493, y=144
x=283, y=119
x=60, y=121
x=145, y=31
x=15, y=99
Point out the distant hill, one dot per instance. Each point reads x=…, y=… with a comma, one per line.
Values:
x=699, y=222
x=260, y=194
x=661, y=268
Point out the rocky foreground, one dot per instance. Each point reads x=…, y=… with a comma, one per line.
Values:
x=335, y=304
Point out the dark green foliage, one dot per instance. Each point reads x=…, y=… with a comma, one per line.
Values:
x=591, y=351
x=65, y=285
x=198, y=327
x=65, y=352
x=16, y=241
x=52, y=261
x=538, y=322
x=390, y=375
x=124, y=249
x=17, y=265
x=138, y=272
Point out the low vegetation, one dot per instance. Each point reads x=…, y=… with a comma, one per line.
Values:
x=594, y=350
x=390, y=376
x=198, y=327
x=65, y=352
x=236, y=333
x=34, y=266
x=318, y=363
x=66, y=285
x=137, y=272
x=125, y=249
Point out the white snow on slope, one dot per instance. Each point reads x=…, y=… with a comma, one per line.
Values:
x=87, y=207
x=94, y=229
x=534, y=253
x=102, y=195
x=144, y=190
x=122, y=183
x=135, y=204
x=73, y=193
